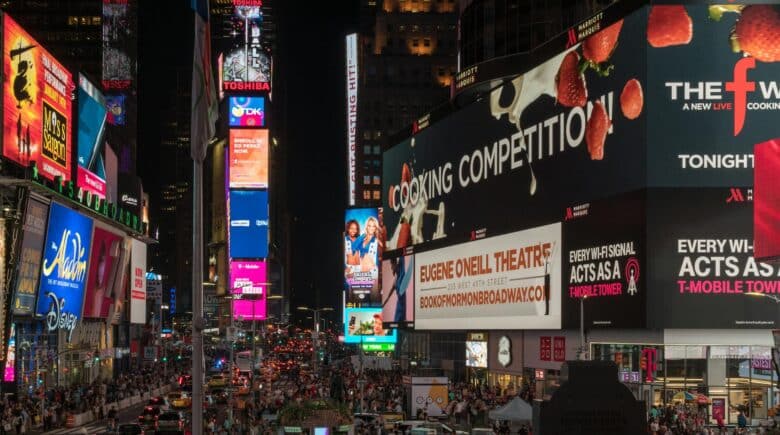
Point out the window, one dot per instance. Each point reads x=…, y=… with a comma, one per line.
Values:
x=377, y=195
x=366, y=179
x=377, y=180
x=367, y=148
x=366, y=195
x=427, y=42
x=377, y=148
x=415, y=42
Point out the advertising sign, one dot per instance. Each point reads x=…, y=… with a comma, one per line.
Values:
x=246, y=111
x=476, y=354
x=506, y=282
x=119, y=42
x=138, y=282
x=711, y=101
x=364, y=325
x=248, y=277
x=247, y=63
x=450, y=182
x=703, y=273
x=10, y=357
x=37, y=104
x=603, y=253
x=29, y=267
x=398, y=291
x=352, y=108
x=248, y=159
x=766, y=200
x=115, y=110
x=249, y=309
x=105, y=261
x=90, y=169
x=64, y=269
x=248, y=213
x=363, y=240
x=131, y=194
x=430, y=394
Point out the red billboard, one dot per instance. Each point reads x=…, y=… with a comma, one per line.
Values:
x=37, y=104
x=106, y=256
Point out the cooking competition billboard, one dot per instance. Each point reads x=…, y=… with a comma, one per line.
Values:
x=363, y=242
x=248, y=166
x=512, y=160
x=511, y=281
x=37, y=104
x=702, y=271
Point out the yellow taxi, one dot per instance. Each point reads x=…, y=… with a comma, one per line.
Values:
x=217, y=381
x=180, y=400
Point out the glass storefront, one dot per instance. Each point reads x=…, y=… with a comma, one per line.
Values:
x=508, y=383
x=726, y=379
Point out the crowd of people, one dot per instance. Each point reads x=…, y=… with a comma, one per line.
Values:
x=691, y=419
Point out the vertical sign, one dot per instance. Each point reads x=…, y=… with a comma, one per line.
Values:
x=352, y=99
x=138, y=282
x=27, y=274
x=545, y=348
x=559, y=349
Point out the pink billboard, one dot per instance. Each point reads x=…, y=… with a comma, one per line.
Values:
x=249, y=309
x=248, y=277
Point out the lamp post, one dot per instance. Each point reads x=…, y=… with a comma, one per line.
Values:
x=316, y=343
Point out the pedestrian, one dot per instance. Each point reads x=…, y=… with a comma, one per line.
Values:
x=741, y=421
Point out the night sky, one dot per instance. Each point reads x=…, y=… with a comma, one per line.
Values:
x=310, y=85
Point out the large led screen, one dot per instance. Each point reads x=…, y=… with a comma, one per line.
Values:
x=90, y=168
x=365, y=325
x=246, y=111
x=248, y=216
x=398, y=291
x=247, y=61
x=363, y=243
x=477, y=354
x=248, y=159
x=248, y=278
x=511, y=281
x=29, y=268
x=105, y=261
x=119, y=43
x=37, y=104
x=249, y=309
x=64, y=268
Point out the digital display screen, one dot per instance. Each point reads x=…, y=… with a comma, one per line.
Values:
x=363, y=241
x=364, y=325
x=248, y=277
x=398, y=291
x=248, y=159
x=246, y=111
x=91, y=173
x=248, y=216
x=476, y=354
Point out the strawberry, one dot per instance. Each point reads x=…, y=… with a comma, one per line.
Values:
x=757, y=32
x=669, y=25
x=596, y=131
x=570, y=82
x=631, y=99
x=599, y=47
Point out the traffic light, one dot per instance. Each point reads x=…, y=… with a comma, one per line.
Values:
x=178, y=357
x=165, y=359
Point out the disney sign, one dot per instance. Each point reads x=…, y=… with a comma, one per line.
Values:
x=58, y=318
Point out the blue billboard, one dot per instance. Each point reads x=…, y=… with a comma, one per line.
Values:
x=247, y=111
x=64, y=268
x=248, y=216
x=365, y=325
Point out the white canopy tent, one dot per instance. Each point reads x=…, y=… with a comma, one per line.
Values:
x=516, y=410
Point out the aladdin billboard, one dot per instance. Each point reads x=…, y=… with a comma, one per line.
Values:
x=37, y=104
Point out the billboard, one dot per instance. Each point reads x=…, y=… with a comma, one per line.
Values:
x=248, y=278
x=246, y=111
x=363, y=242
x=766, y=200
x=477, y=354
x=248, y=161
x=352, y=108
x=115, y=110
x=248, y=216
x=104, y=262
x=37, y=104
x=29, y=267
x=90, y=167
x=551, y=137
x=365, y=325
x=10, y=358
x=702, y=267
x=430, y=394
x=604, y=259
x=138, y=282
x=711, y=100
x=64, y=268
x=505, y=282
x=398, y=291
x=249, y=309
x=247, y=61
x=119, y=44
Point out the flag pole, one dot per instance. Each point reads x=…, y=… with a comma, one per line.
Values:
x=197, y=297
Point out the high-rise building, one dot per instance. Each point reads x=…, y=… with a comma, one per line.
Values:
x=407, y=56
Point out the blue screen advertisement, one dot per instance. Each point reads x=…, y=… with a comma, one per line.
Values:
x=365, y=325
x=64, y=268
x=247, y=111
x=248, y=224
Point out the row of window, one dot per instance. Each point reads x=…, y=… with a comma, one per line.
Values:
x=85, y=20
x=368, y=195
x=368, y=149
x=377, y=180
x=427, y=28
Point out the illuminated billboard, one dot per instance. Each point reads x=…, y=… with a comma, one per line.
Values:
x=247, y=61
x=476, y=354
x=37, y=104
x=248, y=166
x=138, y=282
x=364, y=325
x=248, y=217
x=105, y=260
x=363, y=241
x=249, y=309
x=115, y=107
x=352, y=104
x=64, y=268
x=90, y=169
x=248, y=277
x=29, y=265
x=119, y=43
x=398, y=291
x=246, y=111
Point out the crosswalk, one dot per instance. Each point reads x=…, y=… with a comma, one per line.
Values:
x=90, y=429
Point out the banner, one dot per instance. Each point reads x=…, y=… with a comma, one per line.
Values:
x=702, y=271
x=352, y=105
x=603, y=253
x=105, y=260
x=248, y=159
x=64, y=269
x=363, y=244
x=138, y=282
x=29, y=267
x=37, y=104
x=506, y=282
x=398, y=292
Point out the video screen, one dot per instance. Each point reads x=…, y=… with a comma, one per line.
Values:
x=363, y=244
x=476, y=354
x=365, y=325
x=398, y=291
x=247, y=111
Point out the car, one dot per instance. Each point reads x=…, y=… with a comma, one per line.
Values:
x=183, y=401
x=149, y=415
x=130, y=429
x=217, y=381
x=170, y=420
x=156, y=401
x=185, y=379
